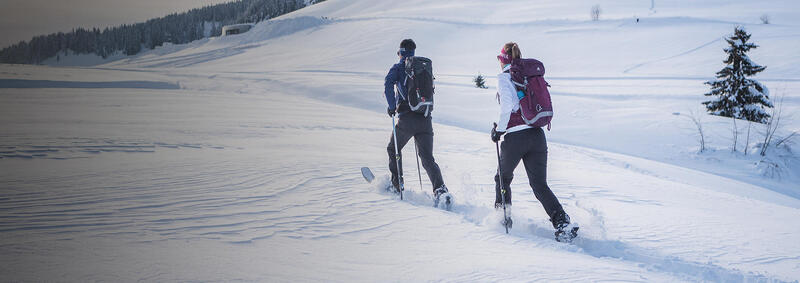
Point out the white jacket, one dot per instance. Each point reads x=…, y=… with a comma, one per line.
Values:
x=509, y=103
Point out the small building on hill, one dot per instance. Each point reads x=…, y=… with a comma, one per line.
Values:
x=235, y=29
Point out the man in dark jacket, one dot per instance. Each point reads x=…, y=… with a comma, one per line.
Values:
x=410, y=124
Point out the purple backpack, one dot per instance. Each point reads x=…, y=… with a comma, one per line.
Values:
x=535, y=107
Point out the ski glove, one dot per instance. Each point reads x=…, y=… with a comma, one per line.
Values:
x=391, y=111
x=496, y=135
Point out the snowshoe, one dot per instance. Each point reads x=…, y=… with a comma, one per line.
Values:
x=393, y=189
x=442, y=195
x=567, y=234
x=393, y=186
x=566, y=230
x=367, y=174
x=506, y=222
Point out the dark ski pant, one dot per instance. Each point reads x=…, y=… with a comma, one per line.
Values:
x=530, y=146
x=419, y=127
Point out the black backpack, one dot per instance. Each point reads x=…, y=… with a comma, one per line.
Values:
x=419, y=84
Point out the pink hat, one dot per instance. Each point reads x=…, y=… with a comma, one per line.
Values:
x=503, y=57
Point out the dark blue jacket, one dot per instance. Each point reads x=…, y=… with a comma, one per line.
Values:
x=396, y=77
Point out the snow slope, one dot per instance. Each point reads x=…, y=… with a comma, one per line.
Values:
x=237, y=158
x=637, y=75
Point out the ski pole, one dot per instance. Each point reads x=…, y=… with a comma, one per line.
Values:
x=500, y=177
x=419, y=173
x=397, y=159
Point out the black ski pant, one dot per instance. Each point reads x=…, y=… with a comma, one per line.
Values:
x=415, y=125
x=530, y=146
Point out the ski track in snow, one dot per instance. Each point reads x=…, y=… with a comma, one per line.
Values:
x=599, y=248
x=673, y=56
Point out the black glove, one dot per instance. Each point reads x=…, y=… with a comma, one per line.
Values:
x=391, y=111
x=496, y=135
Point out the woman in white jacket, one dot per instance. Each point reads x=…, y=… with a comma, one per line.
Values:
x=526, y=143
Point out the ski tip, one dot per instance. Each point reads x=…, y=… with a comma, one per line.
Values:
x=367, y=174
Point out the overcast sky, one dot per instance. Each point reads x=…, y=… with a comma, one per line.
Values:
x=23, y=19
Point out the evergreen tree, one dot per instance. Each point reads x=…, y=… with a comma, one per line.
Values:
x=736, y=95
x=479, y=81
x=175, y=28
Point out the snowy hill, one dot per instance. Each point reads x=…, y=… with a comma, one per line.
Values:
x=236, y=158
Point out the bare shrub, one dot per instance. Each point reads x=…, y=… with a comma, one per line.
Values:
x=786, y=139
x=698, y=123
x=735, y=131
x=770, y=168
x=747, y=141
x=764, y=19
x=772, y=125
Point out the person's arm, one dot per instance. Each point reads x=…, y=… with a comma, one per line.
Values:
x=507, y=94
x=390, y=81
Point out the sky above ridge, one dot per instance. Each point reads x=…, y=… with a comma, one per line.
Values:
x=24, y=19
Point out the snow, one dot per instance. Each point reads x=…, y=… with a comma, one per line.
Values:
x=237, y=158
x=72, y=59
x=208, y=27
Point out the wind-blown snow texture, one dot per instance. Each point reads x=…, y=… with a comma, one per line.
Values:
x=237, y=158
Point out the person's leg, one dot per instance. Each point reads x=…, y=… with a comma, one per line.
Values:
x=510, y=155
x=535, y=161
x=424, y=140
x=425, y=145
x=403, y=136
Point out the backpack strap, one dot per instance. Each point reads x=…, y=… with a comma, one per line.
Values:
x=523, y=85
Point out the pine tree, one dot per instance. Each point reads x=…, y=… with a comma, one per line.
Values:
x=479, y=81
x=176, y=28
x=737, y=96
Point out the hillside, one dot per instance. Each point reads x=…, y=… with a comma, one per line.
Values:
x=130, y=39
